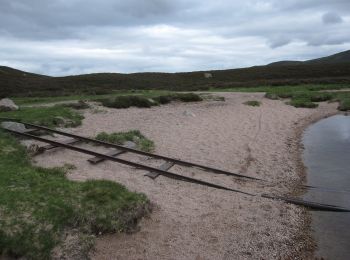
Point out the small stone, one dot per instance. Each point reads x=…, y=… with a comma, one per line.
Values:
x=129, y=144
x=136, y=139
x=187, y=113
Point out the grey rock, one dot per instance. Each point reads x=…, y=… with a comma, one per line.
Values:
x=188, y=113
x=13, y=126
x=129, y=144
x=7, y=104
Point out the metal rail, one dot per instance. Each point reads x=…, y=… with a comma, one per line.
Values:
x=123, y=148
x=169, y=159
x=311, y=205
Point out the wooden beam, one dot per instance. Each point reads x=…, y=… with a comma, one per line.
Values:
x=114, y=153
x=164, y=167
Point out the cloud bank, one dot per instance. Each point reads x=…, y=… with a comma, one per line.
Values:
x=62, y=37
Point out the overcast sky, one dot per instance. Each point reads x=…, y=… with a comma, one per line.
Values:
x=63, y=37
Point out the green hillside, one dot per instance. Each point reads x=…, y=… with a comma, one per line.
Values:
x=332, y=69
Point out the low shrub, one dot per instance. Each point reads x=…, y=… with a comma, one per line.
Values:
x=163, y=99
x=143, y=143
x=320, y=97
x=302, y=102
x=142, y=101
x=284, y=94
x=187, y=97
x=344, y=104
x=128, y=101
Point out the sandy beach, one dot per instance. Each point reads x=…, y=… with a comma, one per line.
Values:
x=195, y=222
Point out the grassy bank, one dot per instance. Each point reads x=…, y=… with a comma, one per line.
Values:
x=47, y=116
x=310, y=98
x=39, y=207
x=147, y=101
x=304, y=95
x=45, y=100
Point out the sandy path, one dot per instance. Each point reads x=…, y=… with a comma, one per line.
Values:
x=195, y=222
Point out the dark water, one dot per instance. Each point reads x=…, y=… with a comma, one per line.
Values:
x=327, y=157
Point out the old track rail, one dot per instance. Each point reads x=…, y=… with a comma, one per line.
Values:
x=163, y=171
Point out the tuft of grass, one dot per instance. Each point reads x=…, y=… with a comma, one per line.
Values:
x=253, y=103
x=47, y=116
x=143, y=143
x=39, y=206
x=165, y=99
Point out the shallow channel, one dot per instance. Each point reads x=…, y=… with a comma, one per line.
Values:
x=327, y=158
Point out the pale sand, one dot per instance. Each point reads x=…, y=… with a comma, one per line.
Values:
x=195, y=222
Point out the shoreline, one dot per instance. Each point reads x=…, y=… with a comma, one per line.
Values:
x=311, y=245
x=264, y=142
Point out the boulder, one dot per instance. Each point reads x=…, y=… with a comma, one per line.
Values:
x=7, y=104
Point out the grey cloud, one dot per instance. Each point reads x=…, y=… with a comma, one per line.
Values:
x=331, y=18
x=75, y=36
x=279, y=42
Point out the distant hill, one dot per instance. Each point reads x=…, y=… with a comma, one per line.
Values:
x=331, y=69
x=341, y=57
x=335, y=58
x=285, y=63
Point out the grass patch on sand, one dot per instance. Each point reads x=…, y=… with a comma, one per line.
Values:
x=143, y=143
x=128, y=101
x=303, y=95
x=147, y=102
x=46, y=100
x=253, y=103
x=47, y=116
x=310, y=99
x=41, y=210
x=285, y=89
x=182, y=97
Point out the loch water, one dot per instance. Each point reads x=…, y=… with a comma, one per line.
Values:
x=327, y=158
